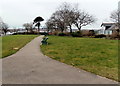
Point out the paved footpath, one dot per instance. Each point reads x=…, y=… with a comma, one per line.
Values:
x=30, y=66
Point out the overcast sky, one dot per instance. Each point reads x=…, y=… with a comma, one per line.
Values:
x=17, y=12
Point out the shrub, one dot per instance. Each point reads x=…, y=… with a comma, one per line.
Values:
x=61, y=34
x=67, y=34
x=55, y=33
x=50, y=33
x=115, y=35
x=91, y=32
x=85, y=32
x=76, y=34
x=30, y=33
x=88, y=33
x=100, y=36
x=43, y=33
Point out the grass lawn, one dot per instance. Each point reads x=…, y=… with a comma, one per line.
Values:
x=99, y=56
x=12, y=43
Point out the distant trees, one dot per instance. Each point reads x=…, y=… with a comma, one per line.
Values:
x=115, y=16
x=67, y=16
x=3, y=26
x=82, y=19
x=66, y=13
x=28, y=27
x=37, y=21
x=58, y=21
x=61, y=18
x=50, y=25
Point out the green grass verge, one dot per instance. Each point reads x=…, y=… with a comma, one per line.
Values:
x=99, y=56
x=12, y=43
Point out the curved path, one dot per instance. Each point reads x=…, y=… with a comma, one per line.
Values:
x=30, y=66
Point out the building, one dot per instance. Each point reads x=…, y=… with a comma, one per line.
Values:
x=108, y=28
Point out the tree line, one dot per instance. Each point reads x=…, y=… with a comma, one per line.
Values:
x=28, y=26
x=67, y=16
x=63, y=18
x=32, y=25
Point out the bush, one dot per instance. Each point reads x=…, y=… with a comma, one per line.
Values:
x=67, y=34
x=23, y=33
x=55, y=33
x=76, y=34
x=30, y=33
x=89, y=33
x=100, y=36
x=61, y=34
x=43, y=33
x=50, y=33
x=115, y=35
x=85, y=32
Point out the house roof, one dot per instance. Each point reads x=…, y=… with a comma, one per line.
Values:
x=110, y=26
x=107, y=24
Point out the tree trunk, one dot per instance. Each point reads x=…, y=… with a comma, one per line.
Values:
x=5, y=33
x=31, y=30
x=38, y=29
x=70, y=29
x=79, y=28
x=62, y=31
x=27, y=30
x=48, y=30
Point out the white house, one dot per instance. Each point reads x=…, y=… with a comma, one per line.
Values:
x=108, y=28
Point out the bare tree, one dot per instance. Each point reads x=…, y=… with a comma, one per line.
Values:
x=31, y=27
x=67, y=13
x=115, y=16
x=28, y=26
x=66, y=16
x=63, y=17
x=50, y=25
x=4, y=27
x=59, y=21
x=56, y=22
x=83, y=19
